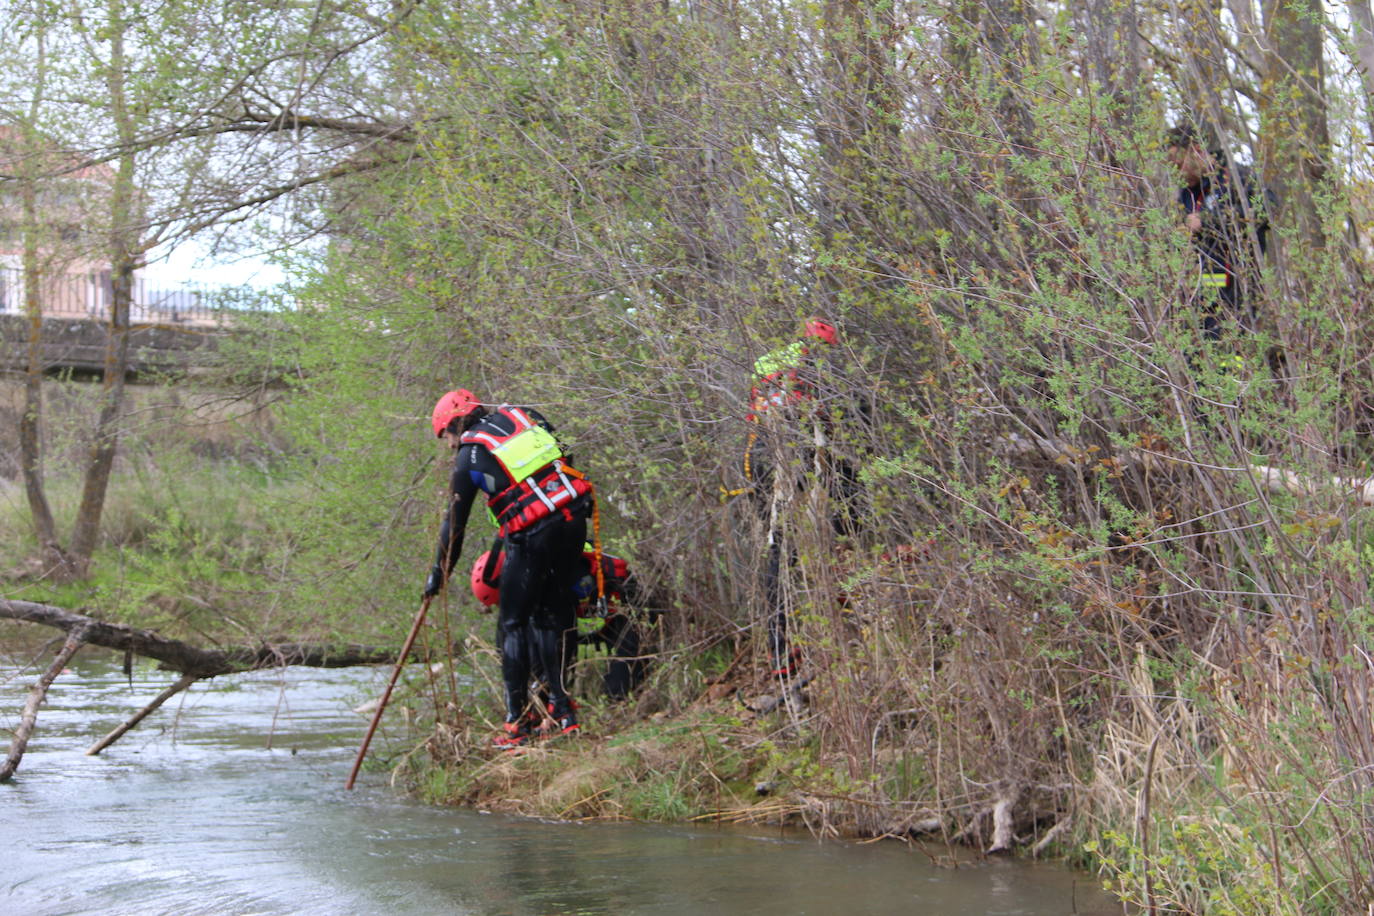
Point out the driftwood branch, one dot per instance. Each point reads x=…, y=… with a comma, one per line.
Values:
x=192, y=662
x=36, y=696
x=791, y=692
x=1003, y=820
x=1060, y=827
x=186, y=680
x=185, y=658
x=1278, y=479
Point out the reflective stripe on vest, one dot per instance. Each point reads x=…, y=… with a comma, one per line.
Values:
x=530, y=456
x=1215, y=280
x=536, y=498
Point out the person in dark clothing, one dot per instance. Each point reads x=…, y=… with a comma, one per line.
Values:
x=791, y=400
x=541, y=504
x=1226, y=215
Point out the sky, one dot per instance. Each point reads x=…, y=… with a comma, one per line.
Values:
x=193, y=265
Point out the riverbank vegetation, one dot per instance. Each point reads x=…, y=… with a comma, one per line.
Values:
x=1109, y=592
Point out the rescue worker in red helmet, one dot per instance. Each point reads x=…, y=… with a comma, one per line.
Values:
x=606, y=623
x=540, y=503
x=791, y=400
x=785, y=376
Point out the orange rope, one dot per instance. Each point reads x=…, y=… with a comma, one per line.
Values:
x=596, y=550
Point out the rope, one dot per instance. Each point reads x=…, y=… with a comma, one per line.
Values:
x=748, y=469
x=596, y=535
x=596, y=549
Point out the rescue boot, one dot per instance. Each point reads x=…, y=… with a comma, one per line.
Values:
x=513, y=734
x=787, y=667
x=564, y=717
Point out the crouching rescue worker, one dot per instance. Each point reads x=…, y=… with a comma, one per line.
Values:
x=606, y=623
x=540, y=503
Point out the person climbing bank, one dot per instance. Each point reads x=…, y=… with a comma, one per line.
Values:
x=540, y=503
x=794, y=401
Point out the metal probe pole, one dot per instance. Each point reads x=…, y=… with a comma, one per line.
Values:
x=386, y=695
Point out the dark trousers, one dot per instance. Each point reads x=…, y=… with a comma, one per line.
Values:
x=774, y=501
x=539, y=609
x=1227, y=306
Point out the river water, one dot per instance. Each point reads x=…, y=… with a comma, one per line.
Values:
x=231, y=801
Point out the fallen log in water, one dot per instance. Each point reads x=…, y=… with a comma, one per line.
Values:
x=193, y=663
x=185, y=658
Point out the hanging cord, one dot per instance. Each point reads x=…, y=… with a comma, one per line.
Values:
x=748, y=470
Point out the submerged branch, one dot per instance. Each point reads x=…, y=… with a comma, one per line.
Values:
x=185, y=681
x=75, y=640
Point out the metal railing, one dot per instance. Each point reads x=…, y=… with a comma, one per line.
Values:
x=89, y=295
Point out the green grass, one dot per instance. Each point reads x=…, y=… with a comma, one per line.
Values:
x=186, y=546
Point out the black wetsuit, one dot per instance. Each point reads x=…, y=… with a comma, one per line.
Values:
x=626, y=669
x=542, y=564
x=1230, y=243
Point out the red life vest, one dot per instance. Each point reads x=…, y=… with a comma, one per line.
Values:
x=541, y=483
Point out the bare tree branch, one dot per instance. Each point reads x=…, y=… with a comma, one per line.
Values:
x=75, y=639
x=188, y=659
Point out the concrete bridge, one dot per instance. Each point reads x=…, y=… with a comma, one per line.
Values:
x=173, y=331
x=77, y=346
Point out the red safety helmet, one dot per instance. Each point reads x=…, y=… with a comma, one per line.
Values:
x=486, y=594
x=455, y=404
x=822, y=330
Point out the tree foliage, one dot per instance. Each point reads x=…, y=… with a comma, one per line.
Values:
x=1090, y=529
x=164, y=121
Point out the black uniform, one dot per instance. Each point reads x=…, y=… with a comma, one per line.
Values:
x=625, y=669
x=542, y=564
x=1230, y=243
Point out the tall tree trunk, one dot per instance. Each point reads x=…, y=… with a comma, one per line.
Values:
x=123, y=252
x=1249, y=46
x=1294, y=138
x=1113, y=38
x=31, y=417
x=1205, y=70
x=1009, y=34
x=960, y=45
x=1010, y=42
x=857, y=137
x=1294, y=150
x=720, y=176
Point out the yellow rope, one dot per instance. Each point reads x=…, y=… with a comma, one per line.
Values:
x=748, y=469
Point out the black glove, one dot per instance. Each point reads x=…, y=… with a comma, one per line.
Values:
x=435, y=582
